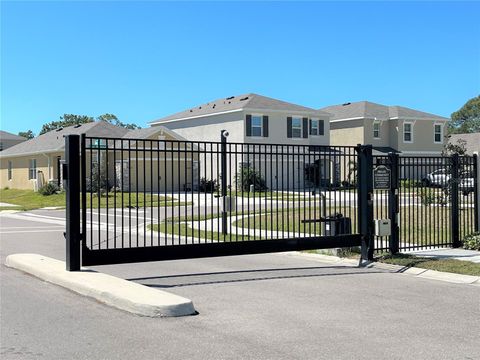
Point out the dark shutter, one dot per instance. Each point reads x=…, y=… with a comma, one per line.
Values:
x=289, y=127
x=321, y=129
x=265, y=126
x=310, y=126
x=305, y=127
x=249, y=125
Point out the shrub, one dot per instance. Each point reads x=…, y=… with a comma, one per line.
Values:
x=472, y=241
x=49, y=189
x=208, y=186
x=430, y=197
x=247, y=176
x=408, y=183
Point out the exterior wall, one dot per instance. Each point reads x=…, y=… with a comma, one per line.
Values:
x=20, y=170
x=347, y=133
x=209, y=128
x=423, y=138
x=384, y=133
x=277, y=130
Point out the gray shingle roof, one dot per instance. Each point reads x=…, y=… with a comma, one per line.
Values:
x=245, y=101
x=4, y=135
x=472, y=141
x=367, y=109
x=54, y=140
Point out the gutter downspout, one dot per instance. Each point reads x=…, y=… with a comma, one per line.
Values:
x=49, y=166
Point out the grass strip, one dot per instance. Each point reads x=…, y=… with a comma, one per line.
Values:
x=445, y=265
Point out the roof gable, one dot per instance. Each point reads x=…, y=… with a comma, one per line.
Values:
x=4, y=135
x=370, y=110
x=237, y=103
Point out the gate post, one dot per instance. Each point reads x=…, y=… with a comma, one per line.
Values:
x=476, y=191
x=455, y=213
x=223, y=164
x=365, y=199
x=71, y=173
x=393, y=204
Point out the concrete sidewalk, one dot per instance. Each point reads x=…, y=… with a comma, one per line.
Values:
x=458, y=254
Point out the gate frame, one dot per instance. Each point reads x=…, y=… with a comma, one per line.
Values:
x=77, y=253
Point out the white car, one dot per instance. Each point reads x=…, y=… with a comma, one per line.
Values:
x=438, y=177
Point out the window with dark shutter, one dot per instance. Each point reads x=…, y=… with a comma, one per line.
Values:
x=321, y=127
x=248, y=122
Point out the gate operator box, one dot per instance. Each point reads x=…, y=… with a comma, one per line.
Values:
x=382, y=227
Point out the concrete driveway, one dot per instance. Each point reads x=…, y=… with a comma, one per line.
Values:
x=272, y=306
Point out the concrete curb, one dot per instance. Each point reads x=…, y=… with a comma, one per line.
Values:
x=412, y=271
x=119, y=293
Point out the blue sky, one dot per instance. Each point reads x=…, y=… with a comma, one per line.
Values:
x=145, y=60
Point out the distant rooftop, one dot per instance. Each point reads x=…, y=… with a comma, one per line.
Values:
x=4, y=135
x=370, y=110
x=239, y=102
x=54, y=140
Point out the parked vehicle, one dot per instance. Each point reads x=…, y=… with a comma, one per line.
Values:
x=438, y=177
x=441, y=178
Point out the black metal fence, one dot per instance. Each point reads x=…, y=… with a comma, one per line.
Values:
x=436, y=199
x=150, y=199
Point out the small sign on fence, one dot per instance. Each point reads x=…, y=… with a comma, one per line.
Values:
x=381, y=177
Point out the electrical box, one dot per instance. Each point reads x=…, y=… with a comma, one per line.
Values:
x=382, y=227
x=230, y=203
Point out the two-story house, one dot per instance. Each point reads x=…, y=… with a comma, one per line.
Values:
x=260, y=120
x=398, y=129
x=387, y=128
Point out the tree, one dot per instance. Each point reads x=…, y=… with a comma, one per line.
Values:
x=112, y=119
x=467, y=118
x=460, y=147
x=66, y=120
x=72, y=119
x=27, y=134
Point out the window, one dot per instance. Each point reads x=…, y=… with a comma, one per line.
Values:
x=438, y=133
x=316, y=127
x=32, y=169
x=376, y=130
x=296, y=127
x=9, y=170
x=407, y=132
x=257, y=125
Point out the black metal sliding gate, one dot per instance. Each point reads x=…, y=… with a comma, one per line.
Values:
x=151, y=199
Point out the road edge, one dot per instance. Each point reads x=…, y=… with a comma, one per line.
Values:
x=110, y=290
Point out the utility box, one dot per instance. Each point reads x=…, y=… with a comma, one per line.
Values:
x=382, y=227
x=230, y=202
x=336, y=225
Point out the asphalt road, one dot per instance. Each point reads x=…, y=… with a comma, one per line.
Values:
x=273, y=306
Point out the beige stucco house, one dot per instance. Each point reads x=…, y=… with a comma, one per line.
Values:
x=259, y=120
x=8, y=140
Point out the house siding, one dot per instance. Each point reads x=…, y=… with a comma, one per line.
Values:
x=20, y=168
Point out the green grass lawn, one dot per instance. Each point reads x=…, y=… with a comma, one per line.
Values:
x=30, y=200
x=177, y=228
x=450, y=265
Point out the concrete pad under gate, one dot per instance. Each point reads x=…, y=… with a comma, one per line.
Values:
x=122, y=294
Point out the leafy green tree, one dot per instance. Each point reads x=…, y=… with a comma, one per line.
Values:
x=460, y=147
x=72, y=119
x=27, y=134
x=66, y=120
x=467, y=118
